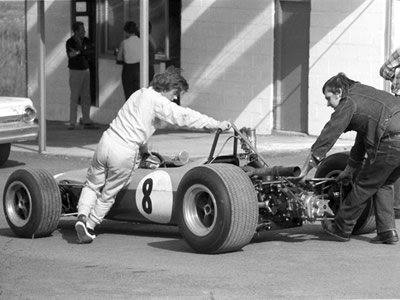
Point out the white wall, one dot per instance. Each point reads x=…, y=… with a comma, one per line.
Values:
x=227, y=58
x=345, y=36
x=57, y=30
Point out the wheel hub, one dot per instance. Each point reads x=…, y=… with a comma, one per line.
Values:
x=18, y=203
x=200, y=210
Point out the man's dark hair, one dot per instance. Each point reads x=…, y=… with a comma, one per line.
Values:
x=337, y=83
x=170, y=79
x=76, y=25
x=131, y=28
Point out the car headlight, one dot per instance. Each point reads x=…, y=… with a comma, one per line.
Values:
x=29, y=114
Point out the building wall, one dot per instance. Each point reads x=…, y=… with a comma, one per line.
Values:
x=57, y=30
x=345, y=36
x=227, y=57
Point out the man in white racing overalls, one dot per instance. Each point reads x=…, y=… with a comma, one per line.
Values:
x=115, y=157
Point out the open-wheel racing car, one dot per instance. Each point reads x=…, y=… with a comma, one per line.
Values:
x=218, y=202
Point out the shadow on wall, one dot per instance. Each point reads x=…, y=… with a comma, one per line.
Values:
x=224, y=64
x=57, y=70
x=218, y=76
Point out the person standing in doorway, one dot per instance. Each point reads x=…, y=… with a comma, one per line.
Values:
x=390, y=71
x=129, y=55
x=79, y=49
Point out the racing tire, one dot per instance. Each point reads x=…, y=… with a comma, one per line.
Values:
x=32, y=203
x=4, y=153
x=217, y=209
x=331, y=167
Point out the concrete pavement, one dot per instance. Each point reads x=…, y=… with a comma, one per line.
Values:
x=82, y=142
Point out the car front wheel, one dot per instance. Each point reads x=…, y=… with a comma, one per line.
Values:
x=32, y=203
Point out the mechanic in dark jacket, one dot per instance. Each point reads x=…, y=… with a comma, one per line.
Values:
x=374, y=115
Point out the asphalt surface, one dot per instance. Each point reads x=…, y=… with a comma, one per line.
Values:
x=82, y=142
x=154, y=262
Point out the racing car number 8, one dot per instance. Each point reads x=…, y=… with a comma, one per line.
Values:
x=154, y=197
x=146, y=202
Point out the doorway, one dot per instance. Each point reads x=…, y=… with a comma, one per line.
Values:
x=291, y=63
x=85, y=11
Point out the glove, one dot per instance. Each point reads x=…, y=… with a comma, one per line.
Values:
x=346, y=176
x=224, y=125
x=143, y=149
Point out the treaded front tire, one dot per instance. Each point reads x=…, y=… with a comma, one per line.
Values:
x=217, y=208
x=32, y=203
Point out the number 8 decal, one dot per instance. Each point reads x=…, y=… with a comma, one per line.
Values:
x=146, y=202
x=154, y=197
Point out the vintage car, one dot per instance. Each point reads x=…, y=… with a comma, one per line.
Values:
x=17, y=123
x=218, y=202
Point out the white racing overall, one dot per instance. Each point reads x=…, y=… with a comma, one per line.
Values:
x=116, y=154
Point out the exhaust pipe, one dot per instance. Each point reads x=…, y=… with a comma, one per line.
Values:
x=277, y=171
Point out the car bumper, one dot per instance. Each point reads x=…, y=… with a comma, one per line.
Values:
x=18, y=133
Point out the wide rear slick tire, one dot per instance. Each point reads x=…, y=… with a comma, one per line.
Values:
x=217, y=208
x=331, y=167
x=32, y=203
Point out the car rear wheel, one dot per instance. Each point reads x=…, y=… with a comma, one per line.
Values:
x=32, y=203
x=330, y=168
x=4, y=153
x=217, y=208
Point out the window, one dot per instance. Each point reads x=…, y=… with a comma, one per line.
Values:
x=114, y=14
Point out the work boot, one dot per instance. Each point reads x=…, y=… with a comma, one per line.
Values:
x=387, y=237
x=331, y=228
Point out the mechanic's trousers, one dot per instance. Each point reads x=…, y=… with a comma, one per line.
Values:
x=374, y=180
x=397, y=197
x=79, y=84
x=110, y=170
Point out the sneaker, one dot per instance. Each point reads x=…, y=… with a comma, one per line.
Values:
x=85, y=235
x=71, y=126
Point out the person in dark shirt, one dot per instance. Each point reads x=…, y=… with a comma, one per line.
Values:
x=79, y=49
x=375, y=116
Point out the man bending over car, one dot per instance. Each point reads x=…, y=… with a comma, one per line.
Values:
x=375, y=116
x=115, y=157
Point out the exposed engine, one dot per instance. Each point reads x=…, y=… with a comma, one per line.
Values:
x=284, y=199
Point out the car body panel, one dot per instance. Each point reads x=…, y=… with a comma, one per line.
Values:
x=13, y=127
x=149, y=197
